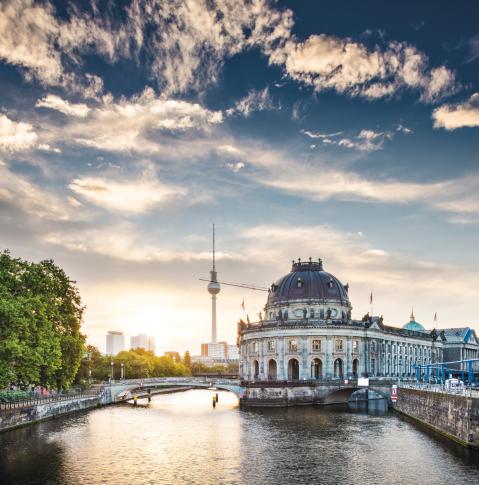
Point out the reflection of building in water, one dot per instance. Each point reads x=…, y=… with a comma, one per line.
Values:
x=307, y=333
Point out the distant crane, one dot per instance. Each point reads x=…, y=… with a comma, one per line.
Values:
x=239, y=285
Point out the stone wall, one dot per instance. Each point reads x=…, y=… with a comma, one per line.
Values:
x=13, y=418
x=451, y=415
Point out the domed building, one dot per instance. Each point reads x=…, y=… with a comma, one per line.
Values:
x=307, y=335
x=413, y=325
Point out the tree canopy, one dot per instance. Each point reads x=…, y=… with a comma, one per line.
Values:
x=40, y=318
x=138, y=363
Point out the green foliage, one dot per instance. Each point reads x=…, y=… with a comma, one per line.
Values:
x=138, y=364
x=40, y=318
x=199, y=368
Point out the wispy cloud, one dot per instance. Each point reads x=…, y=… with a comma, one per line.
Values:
x=126, y=195
x=254, y=101
x=460, y=115
x=16, y=136
x=56, y=103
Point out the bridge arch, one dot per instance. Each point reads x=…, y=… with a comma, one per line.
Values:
x=344, y=394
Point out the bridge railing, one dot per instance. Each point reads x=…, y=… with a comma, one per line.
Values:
x=466, y=391
x=34, y=401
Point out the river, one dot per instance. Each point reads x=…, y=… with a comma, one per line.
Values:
x=180, y=439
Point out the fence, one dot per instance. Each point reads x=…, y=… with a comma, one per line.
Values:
x=34, y=401
x=466, y=391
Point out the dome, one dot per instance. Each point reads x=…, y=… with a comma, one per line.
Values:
x=308, y=281
x=413, y=325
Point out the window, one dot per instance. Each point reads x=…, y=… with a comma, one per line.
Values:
x=299, y=283
x=317, y=345
x=339, y=345
x=355, y=345
x=373, y=346
x=293, y=345
x=311, y=313
x=271, y=345
x=255, y=346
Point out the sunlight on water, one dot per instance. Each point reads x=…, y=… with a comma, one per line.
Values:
x=179, y=438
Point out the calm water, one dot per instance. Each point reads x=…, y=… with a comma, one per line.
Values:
x=180, y=439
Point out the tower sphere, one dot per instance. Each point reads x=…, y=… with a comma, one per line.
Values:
x=213, y=288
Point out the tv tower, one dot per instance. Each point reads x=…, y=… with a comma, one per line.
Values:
x=213, y=290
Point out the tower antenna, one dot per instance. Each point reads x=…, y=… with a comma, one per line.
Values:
x=214, y=247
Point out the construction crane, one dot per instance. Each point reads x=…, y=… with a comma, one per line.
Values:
x=238, y=285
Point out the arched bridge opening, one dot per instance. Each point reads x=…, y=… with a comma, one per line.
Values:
x=350, y=394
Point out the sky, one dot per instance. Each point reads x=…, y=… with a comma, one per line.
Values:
x=342, y=130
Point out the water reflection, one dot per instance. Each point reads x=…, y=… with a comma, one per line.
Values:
x=179, y=439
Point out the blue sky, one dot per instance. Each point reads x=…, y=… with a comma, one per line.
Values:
x=341, y=130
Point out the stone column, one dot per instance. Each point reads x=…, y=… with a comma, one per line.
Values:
x=281, y=363
x=305, y=371
x=349, y=357
x=329, y=371
x=262, y=373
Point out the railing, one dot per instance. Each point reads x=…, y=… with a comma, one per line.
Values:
x=33, y=401
x=465, y=391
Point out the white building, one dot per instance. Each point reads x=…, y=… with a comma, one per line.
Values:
x=143, y=341
x=115, y=342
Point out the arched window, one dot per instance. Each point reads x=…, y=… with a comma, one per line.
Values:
x=316, y=369
x=272, y=370
x=355, y=367
x=293, y=370
x=255, y=369
x=299, y=283
x=338, y=368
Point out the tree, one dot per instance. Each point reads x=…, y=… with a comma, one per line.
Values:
x=40, y=318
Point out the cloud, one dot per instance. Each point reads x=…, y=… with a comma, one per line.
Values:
x=128, y=196
x=348, y=67
x=254, y=101
x=56, y=103
x=287, y=172
x=312, y=134
x=16, y=136
x=45, y=147
x=49, y=48
x=366, y=141
x=133, y=124
x=18, y=191
x=460, y=115
x=474, y=48
x=404, y=129
x=235, y=167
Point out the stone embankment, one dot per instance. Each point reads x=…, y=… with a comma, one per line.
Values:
x=30, y=413
x=452, y=415
x=23, y=415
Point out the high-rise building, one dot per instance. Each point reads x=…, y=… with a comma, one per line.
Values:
x=115, y=342
x=221, y=350
x=174, y=355
x=143, y=341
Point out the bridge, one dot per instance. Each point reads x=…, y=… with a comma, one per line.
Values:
x=125, y=390
x=256, y=393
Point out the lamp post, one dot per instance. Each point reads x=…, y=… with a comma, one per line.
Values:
x=122, y=371
x=111, y=364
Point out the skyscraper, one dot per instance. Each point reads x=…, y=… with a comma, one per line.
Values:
x=115, y=342
x=143, y=341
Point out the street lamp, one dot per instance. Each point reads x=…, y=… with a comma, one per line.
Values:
x=122, y=371
x=111, y=364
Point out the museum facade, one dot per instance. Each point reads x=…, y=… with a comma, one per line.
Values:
x=307, y=334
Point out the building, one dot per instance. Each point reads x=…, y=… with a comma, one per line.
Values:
x=143, y=341
x=174, y=355
x=221, y=350
x=460, y=344
x=115, y=342
x=308, y=334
